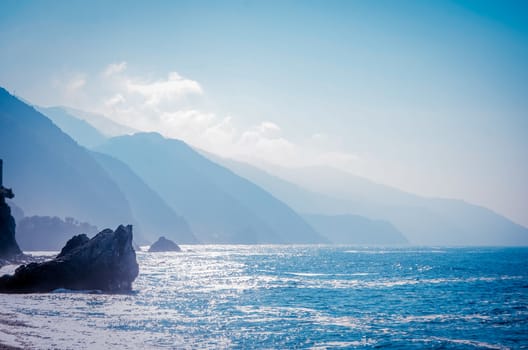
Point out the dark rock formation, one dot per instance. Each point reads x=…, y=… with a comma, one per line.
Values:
x=17, y=213
x=107, y=262
x=164, y=245
x=74, y=242
x=8, y=246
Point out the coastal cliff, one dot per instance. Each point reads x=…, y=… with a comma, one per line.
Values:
x=8, y=246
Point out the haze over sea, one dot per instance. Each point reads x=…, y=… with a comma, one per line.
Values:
x=291, y=296
x=338, y=174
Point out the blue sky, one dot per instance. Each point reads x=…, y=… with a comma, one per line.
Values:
x=430, y=97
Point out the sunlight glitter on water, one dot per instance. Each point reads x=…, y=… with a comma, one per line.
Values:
x=289, y=297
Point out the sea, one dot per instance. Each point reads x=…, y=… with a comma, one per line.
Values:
x=290, y=297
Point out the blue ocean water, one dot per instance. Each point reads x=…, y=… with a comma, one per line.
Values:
x=279, y=297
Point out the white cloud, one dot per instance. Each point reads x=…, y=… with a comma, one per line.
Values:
x=115, y=100
x=319, y=137
x=115, y=68
x=77, y=83
x=265, y=141
x=163, y=106
x=69, y=88
x=174, y=87
x=269, y=129
x=341, y=160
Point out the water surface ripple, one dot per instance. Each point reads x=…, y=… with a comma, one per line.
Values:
x=279, y=297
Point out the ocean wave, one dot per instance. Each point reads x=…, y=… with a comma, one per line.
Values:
x=309, y=274
x=396, y=251
x=383, y=283
x=441, y=318
x=343, y=344
x=474, y=343
x=76, y=291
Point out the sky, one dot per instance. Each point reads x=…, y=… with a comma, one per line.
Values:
x=427, y=96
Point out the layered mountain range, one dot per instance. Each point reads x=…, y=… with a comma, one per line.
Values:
x=69, y=163
x=422, y=221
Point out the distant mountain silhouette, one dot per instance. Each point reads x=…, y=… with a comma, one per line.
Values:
x=81, y=131
x=106, y=126
x=355, y=229
x=299, y=198
x=154, y=215
x=423, y=221
x=219, y=205
x=51, y=174
x=49, y=233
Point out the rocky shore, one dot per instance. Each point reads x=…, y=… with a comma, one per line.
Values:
x=107, y=262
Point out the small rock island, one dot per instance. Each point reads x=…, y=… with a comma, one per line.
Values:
x=164, y=245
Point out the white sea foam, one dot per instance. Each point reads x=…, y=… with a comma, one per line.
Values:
x=308, y=274
x=441, y=318
x=474, y=343
x=8, y=269
x=384, y=283
x=344, y=344
x=396, y=251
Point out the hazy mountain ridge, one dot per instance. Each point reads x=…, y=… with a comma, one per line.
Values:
x=49, y=233
x=51, y=174
x=54, y=176
x=355, y=229
x=154, y=215
x=220, y=206
x=423, y=221
x=103, y=124
x=80, y=130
